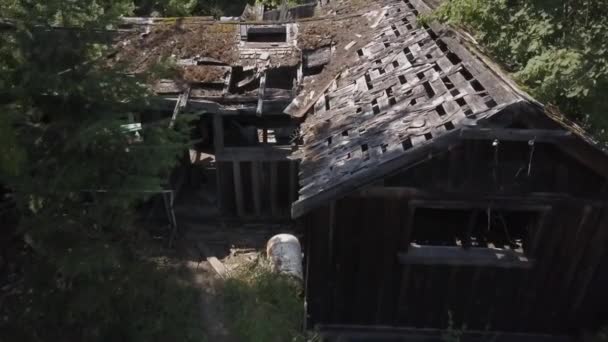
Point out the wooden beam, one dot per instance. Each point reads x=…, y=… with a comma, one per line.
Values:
x=262, y=153
x=261, y=92
x=482, y=200
x=256, y=174
x=597, y=249
x=510, y=134
x=274, y=194
x=217, y=265
x=458, y=256
x=335, y=332
x=238, y=188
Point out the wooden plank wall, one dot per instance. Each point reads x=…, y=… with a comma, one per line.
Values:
x=257, y=189
x=354, y=276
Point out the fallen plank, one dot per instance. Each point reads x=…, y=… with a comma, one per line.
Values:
x=217, y=265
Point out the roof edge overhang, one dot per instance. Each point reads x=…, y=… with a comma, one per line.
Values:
x=413, y=157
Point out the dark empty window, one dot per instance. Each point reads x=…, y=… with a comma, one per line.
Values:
x=475, y=228
x=274, y=34
x=475, y=237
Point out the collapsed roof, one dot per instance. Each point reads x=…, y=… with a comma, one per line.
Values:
x=373, y=88
x=404, y=89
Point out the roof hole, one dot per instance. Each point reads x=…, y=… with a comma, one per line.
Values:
x=409, y=26
x=491, y=103
x=449, y=125
x=273, y=34
x=359, y=109
x=407, y=144
x=420, y=75
x=397, y=33
x=387, y=44
x=384, y=147
x=329, y=141
x=376, y=109
x=421, y=43
x=415, y=12
x=453, y=58
x=429, y=56
x=360, y=52
x=381, y=70
x=429, y=90
x=395, y=64
x=467, y=75
x=413, y=102
x=345, y=133
x=428, y=136
x=364, y=148
x=348, y=155
x=440, y=110
x=392, y=101
x=448, y=83
x=442, y=45
x=402, y=79
x=477, y=86
x=389, y=91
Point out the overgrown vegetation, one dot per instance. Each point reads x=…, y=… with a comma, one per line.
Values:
x=263, y=306
x=557, y=49
x=76, y=174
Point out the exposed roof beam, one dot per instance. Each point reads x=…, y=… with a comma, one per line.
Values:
x=509, y=134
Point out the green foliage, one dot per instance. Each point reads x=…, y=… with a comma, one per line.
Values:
x=558, y=50
x=130, y=300
x=263, y=306
x=76, y=175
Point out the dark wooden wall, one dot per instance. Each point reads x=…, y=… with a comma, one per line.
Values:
x=354, y=276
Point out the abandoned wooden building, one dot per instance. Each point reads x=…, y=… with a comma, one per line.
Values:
x=433, y=192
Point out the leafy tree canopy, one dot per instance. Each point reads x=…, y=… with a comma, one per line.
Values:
x=76, y=174
x=557, y=49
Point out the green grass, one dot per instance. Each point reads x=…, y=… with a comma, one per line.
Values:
x=262, y=306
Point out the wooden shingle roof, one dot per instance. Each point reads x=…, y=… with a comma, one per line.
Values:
x=408, y=90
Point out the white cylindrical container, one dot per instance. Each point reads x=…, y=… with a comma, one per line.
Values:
x=285, y=254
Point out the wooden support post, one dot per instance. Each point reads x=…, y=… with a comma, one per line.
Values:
x=238, y=188
x=261, y=92
x=274, y=194
x=293, y=181
x=256, y=175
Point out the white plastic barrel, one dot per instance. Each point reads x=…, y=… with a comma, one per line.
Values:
x=285, y=254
